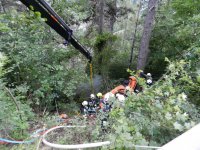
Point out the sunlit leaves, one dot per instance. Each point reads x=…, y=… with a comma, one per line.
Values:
x=178, y=126
x=161, y=112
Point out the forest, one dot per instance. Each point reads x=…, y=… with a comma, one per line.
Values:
x=45, y=76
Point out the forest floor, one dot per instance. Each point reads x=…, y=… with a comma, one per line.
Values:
x=63, y=136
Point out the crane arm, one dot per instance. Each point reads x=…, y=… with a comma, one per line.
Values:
x=56, y=23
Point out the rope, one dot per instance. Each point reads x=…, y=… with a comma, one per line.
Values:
x=91, y=79
x=77, y=146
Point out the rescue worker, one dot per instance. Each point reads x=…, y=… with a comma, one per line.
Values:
x=104, y=105
x=146, y=77
x=121, y=88
x=141, y=74
x=120, y=97
x=84, y=108
x=99, y=95
x=92, y=106
x=149, y=79
x=99, y=98
x=132, y=84
x=89, y=107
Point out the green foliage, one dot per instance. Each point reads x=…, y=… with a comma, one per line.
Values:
x=158, y=114
x=44, y=75
x=176, y=36
x=175, y=32
x=118, y=66
x=104, y=38
x=72, y=11
x=191, y=6
x=14, y=114
x=36, y=61
x=70, y=109
x=35, y=69
x=103, y=52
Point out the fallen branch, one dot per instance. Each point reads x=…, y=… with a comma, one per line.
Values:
x=15, y=101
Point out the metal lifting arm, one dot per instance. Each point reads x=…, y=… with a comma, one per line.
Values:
x=56, y=23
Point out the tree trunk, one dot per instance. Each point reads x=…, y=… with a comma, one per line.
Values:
x=148, y=25
x=100, y=27
x=113, y=12
x=134, y=34
x=3, y=6
x=100, y=16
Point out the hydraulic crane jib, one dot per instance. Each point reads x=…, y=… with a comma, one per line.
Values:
x=56, y=23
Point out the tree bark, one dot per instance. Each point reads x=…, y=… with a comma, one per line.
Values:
x=148, y=25
x=101, y=16
x=100, y=27
x=3, y=5
x=134, y=34
x=113, y=12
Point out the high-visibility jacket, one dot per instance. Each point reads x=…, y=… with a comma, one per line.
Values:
x=132, y=83
x=119, y=89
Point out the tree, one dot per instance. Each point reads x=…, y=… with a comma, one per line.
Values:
x=176, y=36
x=37, y=62
x=158, y=114
x=113, y=12
x=148, y=25
x=134, y=34
x=100, y=18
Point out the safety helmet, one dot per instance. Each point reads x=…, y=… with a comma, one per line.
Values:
x=85, y=103
x=149, y=74
x=92, y=96
x=99, y=95
x=149, y=81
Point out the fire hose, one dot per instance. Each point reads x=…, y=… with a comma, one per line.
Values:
x=75, y=146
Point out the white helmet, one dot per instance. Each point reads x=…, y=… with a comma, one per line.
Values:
x=149, y=81
x=85, y=103
x=108, y=95
x=92, y=96
x=148, y=74
x=120, y=97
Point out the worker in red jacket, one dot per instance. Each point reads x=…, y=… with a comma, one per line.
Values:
x=132, y=83
x=121, y=88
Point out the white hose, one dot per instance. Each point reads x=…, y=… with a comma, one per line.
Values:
x=77, y=146
x=147, y=147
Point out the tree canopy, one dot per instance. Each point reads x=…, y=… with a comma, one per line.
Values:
x=41, y=78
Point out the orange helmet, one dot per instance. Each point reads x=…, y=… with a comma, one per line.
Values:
x=132, y=78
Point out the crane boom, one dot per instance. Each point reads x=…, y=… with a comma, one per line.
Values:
x=56, y=23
